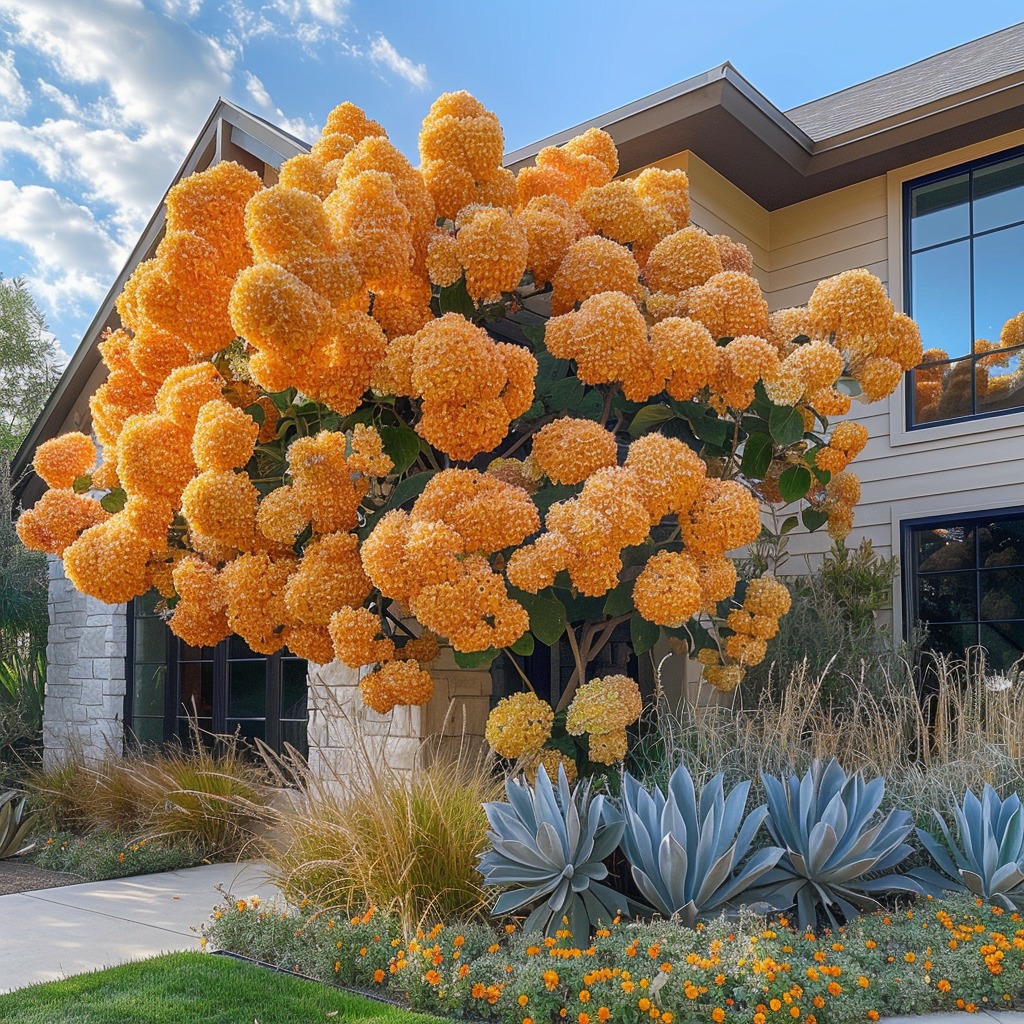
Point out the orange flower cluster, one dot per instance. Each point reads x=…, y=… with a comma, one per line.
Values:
x=57, y=519
x=397, y=682
x=200, y=616
x=842, y=492
x=493, y=248
x=471, y=387
x=753, y=625
x=846, y=443
x=570, y=450
x=61, y=460
x=589, y=160
x=519, y=725
x=603, y=708
x=668, y=590
x=551, y=227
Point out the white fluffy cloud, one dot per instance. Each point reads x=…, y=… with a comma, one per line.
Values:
x=383, y=52
x=13, y=97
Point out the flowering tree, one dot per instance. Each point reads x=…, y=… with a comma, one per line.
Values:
x=310, y=438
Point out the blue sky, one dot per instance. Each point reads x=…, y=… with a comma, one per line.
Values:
x=101, y=99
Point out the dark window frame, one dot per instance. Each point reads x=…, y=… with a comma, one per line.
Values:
x=219, y=704
x=910, y=576
x=969, y=167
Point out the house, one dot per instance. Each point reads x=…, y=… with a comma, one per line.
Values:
x=917, y=175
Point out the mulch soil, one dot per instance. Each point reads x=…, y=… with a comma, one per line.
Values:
x=20, y=876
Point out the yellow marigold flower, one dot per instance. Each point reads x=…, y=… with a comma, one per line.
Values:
x=353, y=631
x=57, y=519
x=254, y=587
x=186, y=390
x=667, y=193
x=284, y=223
x=603, y=705
x=368, y=455
x=155, y=459
x=220, y=505
x=224, y=438
x=669, y=474
x=729, y=304
x=519, y=725
x=767, y=596
x=534, y=566
x=281, y=516
x=667, y=592
x=735, y=255
x=685, y=356
x=199, y=616
x=329, y=576
x=550, y=229
x=61, y=460
x=853, y=302
x=607, y=338
x=493, y=248
x=591, y=266
x=682, y=260
x=551, y=761
x=570, y=450
x=423, y=648
x=397, y=682
x=488, y=514
x=879, y=377
x=608, y=747
x=109, y=560
x=615, y=211
x=724, y=516
x=444, y=263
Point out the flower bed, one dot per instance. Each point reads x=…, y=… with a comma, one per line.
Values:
x=946, y=954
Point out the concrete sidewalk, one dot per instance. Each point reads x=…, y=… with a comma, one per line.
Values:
x=52, y=933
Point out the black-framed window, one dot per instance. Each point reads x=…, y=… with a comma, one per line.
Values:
x=224, y=689
x=965, y=583
x=963, y=240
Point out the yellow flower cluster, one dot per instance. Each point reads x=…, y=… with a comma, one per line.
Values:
x=397, y=682
x=753, y=625
x=200, y=616
x=603, y=708
x=846, y=443
x=471, y=386
x=591, y=266
x=281, y=516
x=570, y=450
x=329, y=576
x=842, y=492
x=368, y=456
x=519, y=725
x=686, y=356
x=722, y=677
x=461, y=148
x=224, y=437
x=550, y=760
x=668, y=591
x=354, y=632
x=57, y=519
x=61, y=460
x=493, y=248
x=729, y=304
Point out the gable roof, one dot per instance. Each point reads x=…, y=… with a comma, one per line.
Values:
x=230, y=133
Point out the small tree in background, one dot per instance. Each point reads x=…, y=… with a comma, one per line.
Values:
x=317, y=434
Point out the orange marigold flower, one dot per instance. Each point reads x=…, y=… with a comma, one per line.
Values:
x=570, y=450
x=397, y=682
x=493, y=249
x=603, y=705
x=330, y=576
x=519, y=724
x=682, y=260
x=224, y=437
x=199, y=616
x=57, y=519
x=221, y=505
x=254, y=586
x=353, y=631
x=591, y=266
x=668, y=592
x=61, y=460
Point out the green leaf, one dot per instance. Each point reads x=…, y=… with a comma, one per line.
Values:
x=813, y=519
x=794, y=482
x=649, y=418
x=115, y=501
x=455, y=299
x=786, y=425
x=303, y=539
x=534, y=334
x=476, y=659
x=757, y=456
x=402, y=446
x=547, y=496
x=705, y=423
x=547, y=616
x=409, y=488
x=256, y=412
x=644, y=634
x=571, y=395
x=524, y=645
x=789, y=525
x=620, y=600
x=82, y=483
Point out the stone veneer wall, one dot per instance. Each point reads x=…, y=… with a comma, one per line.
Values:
x=85, y=676
x=342, y=728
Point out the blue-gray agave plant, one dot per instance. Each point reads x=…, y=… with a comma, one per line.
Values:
x=549, y=844
x=686, y=855
x=839, y=853
x=986, y=856
x=15, y=825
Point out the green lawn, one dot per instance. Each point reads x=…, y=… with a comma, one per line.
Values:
x=186, y=988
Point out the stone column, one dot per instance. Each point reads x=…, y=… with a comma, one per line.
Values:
x=85, y=673
x=345, y=735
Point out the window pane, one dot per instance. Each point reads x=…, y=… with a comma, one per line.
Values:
x=248, y=729
x=238, y=648
x=944, y=548
x=941, y=297
x=951, y=638
x=294, y=734
x=1004, y=642
x=1002, y=593
x=1002, y=542
x=948, y=597
x=186, y=653
x=998, y=283
x=148, y=730
x=150, y=686
x=150, y=640
x=196, y=689
x=1000, y=381
x=293, y=688
x=999, y=194
x=187, y=731
x=939, y=211
x=146, y=603
x=247, y=689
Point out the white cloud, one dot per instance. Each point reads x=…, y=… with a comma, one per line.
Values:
x=382, y=52
x=295, y=125
x=74, y=258
x=13, y=97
